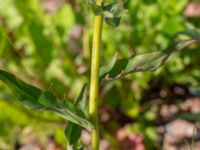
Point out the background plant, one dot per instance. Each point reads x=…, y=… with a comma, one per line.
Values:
x=43, y=52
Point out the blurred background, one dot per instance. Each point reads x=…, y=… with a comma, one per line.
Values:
x=48, y=43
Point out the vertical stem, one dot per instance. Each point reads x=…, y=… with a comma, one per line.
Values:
x=94, y=78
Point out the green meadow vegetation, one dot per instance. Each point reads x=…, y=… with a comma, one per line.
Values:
x=95, y=68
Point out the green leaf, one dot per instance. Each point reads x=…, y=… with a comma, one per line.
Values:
x=190, y=116
x=36, y=99
x=113, y=21
x=48, y=100
x=112, y=14
x=108, y=7
x=81, y=101
x=72, y=133
x=106, y=69
x=114, y=8
x=95, y=8
x=191, y=33
x=27, y=94
x=143, y=62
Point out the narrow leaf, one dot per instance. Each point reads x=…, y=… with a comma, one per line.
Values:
x=143, y=62
x=36, y=99
x=72, y=133
x=192, y=33
x=81, y=101
x=106, y=69
x=27, y=94
x=190, y=116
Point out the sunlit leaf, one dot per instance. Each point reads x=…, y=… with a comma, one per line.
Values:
x=36, y=99
x=27, y=94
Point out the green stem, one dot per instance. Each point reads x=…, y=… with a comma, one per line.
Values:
x=94, y=79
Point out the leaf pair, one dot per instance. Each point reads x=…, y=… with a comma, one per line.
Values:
x=95, y=8
x=110, y=11
x=36, y=99
x=112, y=14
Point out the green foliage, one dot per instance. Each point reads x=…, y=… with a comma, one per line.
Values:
x=27, y=94
x=38, y=47
x=95, y=8
x=190, y=116
x=111, y=12
x=15, y=121
x=193, y=33
x=36, y=99
x=144, y=62
x=73, y=131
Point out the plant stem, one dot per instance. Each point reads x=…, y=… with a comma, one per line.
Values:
x=94, y=78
